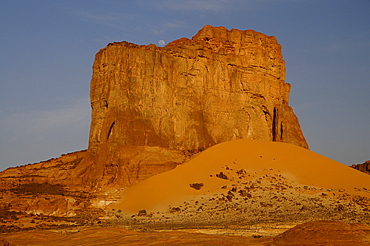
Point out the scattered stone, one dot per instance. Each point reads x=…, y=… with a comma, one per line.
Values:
x=244, y=193
x=266, y=205
x=221, y=175
x=196, y=186
x=174, y=209
x=340, y=207
x=229, y=198
x=142, y=213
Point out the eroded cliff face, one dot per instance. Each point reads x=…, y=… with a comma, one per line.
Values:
x=153, y=107
x=221, y=85
x=187, y=96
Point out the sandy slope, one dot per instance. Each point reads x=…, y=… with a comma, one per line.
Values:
x=311, y=233
x=120, y=236
x=243, y=192
x=299, y=166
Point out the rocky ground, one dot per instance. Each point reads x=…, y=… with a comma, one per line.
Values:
x=255, y=209
x=229, y=204
x=122, y=236
x=311, y=233
x=262, y=199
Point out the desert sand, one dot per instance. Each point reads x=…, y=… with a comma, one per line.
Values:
x=242, y=161
x=121, y=236
x=311, y=233
x=242, y=192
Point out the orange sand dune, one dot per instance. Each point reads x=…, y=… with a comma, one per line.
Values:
x=299, y=165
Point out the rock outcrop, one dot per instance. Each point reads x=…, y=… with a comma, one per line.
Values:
x=220, y=86
x=152, y=104
x=364, y=167
x=155, y=107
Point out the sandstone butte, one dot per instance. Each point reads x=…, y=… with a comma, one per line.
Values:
x=154, y=107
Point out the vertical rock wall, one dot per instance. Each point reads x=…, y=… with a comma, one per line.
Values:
x=187, y=96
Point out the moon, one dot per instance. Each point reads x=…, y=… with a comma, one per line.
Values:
x=161, y=42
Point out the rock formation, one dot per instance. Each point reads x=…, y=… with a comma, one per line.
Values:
x=364, y=167
x=154, y=107
x=152, y=104
x=221, y=85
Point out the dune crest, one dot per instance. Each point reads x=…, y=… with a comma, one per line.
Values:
x=235, y=163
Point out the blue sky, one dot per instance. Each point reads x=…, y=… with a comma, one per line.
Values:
x=48, y=47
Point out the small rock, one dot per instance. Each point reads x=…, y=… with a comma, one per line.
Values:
x=229, y=198
x=174, y=209
x=244, y=193
x=196, y=186
x=221, y=175
x=142, y=213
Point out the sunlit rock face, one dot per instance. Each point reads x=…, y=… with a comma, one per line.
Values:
x=221, y=85
x=155, y=107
